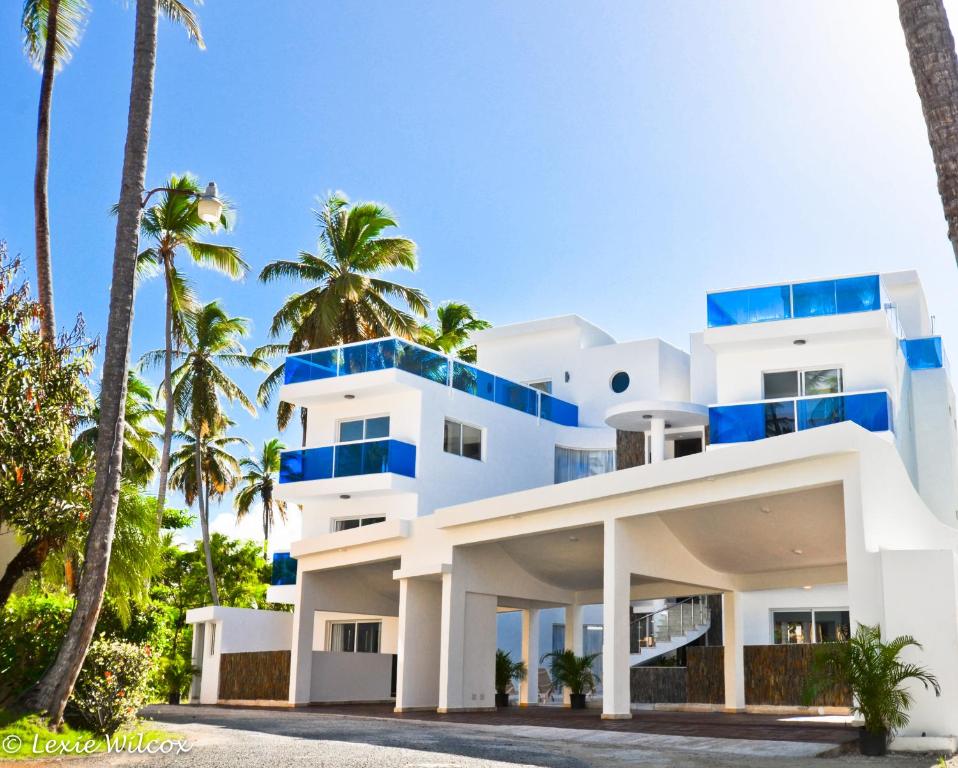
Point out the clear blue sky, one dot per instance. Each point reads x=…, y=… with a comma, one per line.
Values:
x=613, y=159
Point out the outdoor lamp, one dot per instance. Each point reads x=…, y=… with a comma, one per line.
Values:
x=209, y=206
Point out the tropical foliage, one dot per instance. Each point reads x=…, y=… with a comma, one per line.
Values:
x=508, y=670
x=455, y=322
x=112, y=686
x=260, y=476
x=573, y=672
x=873, y=670
x=345, y=298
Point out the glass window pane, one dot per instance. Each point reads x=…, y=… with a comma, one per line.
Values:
x=858, y=294
x=371, y=520
x=831, y=626
x=772, y=303
x=345, y=525
x=367, y=637
x=779, y=418
x=780, y=384
x=824, y=382
x=342, y=637
x=471, y=442
x=378, y=427
x=452, y=437
x=792, y=627
x=542, y=386
x=819, y=411
x=813, y=299
x=350, y=430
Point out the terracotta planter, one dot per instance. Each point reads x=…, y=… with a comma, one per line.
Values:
x=872, y=744
x=502, y=699
x=577, y=700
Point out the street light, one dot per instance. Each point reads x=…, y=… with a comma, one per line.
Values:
x=209, y=207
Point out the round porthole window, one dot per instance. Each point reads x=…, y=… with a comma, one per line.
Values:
x=619, y=382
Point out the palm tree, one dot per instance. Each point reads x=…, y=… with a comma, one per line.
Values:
x=220, y=473
x=51, y=30
x=346, y=300
x=456, y=321
x=173, y=224
x=199, y=383
x=140, y=453
x=258, y=482
x=51, y=692
x=931, y=50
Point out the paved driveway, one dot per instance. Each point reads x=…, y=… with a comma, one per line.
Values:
x=236, y=738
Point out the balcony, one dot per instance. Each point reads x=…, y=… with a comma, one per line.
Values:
x=370, y=457
x=384, y=354
x=923, y=354
x=794, y=300
x=284, y=569
x=745, y=422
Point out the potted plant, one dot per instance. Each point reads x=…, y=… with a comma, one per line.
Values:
x=507, y=670
x=573, y=672
x=178, y=675
x=872, y=671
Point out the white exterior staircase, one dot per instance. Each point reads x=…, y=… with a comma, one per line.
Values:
x=657, y=633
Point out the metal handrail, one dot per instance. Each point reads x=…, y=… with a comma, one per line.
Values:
x=652, y=623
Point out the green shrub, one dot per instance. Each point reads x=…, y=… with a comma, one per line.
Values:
x=31, y=628
x=112, y=685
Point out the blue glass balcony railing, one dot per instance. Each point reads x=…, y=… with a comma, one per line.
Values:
x=782, y=302
x=369, y=457
x=754, y=421
x=284, y=569
x=395, y=353
x=923, y=354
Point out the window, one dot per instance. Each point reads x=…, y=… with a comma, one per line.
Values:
x=809, y=626
x=212, y=627
x=571, y=463
x=802, y=383
x=354, y=636
x=619, y=382
x=462, y=440
x=543, y=385
x=558, y=637
x=355, y=522
x=363, y=429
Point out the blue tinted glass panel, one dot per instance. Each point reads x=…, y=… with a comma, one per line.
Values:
x=922, y=354
x=421, y=362
x=312, y=366
x=516, y=396
x=779, y=418
x=773, y=303
x=858, y=294
x=375, y=457
x=813, y=299
x=306, y=464
x=736, y=423
x=558, y=411
x=402, y=458
x=284, y=569
x=727, y=308
x=349, y=459
x=466, y=378
x=819, y=411
x=871, y=410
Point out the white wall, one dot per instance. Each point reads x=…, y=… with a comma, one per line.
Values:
x=936, y=458
x=350, y=676
x=757, y=607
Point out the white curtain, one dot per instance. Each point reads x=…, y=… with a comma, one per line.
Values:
x=571, y=463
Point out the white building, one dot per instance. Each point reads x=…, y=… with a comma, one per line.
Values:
x=798, y=465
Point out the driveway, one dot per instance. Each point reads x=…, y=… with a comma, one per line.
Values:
x=240, y=737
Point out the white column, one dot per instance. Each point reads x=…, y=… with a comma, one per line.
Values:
x=529, y=688
x=573, y=638
x=301, y=657
x=734, y=655
x=616, y=694
x=658, y=440
x=199, y=645
x=417, y=665
x=451, y=643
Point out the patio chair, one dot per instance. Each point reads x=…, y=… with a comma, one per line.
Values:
x=546, y=688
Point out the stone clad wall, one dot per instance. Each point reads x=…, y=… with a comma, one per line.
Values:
x=260, y=675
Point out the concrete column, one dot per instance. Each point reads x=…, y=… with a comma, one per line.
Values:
x=301, y=657
x=199, y=644
x=734, y=655
x=451, y=643
x=420, y=620
x=657, y=439
x=616, y=694
x=573, y=637
x=529, y=688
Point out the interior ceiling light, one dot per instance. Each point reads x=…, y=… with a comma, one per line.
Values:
x=350, y=397
x=807, y=586
x=799, y=342
x=798, y=552
x=344, y=496
x=573, y=538
x=767, y=510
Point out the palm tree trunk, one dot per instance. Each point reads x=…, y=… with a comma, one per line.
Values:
x=168, y=397
x=41, y=211
x=203, y=503
x=50, y=694
x=931, y=50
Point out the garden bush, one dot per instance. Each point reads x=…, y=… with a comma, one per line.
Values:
x=31, y=628
x=112, y=685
